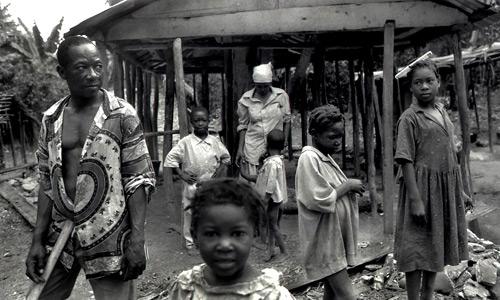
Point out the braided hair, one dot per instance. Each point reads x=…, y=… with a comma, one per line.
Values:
x=323, y=117
x=226, y=191
x=423, y=64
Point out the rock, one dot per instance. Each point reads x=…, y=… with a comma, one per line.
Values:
x=495, y=290
x=463, y=278
x=476, y=248
x=29, y=186
x=443, y=284
x=482, y=143
x=13, y=182
x=402, y=282
x=497, y=265
x=472, y=237
x=454, y=272
x=486, y=272
x=372, y=268
x=473, y=290
x=487, y=244
x=367, y=279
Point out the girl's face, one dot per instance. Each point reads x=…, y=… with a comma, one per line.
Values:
x=424, y=85
x=199, y=120
x=224, y=236
x=329, y=141
x=262, y=89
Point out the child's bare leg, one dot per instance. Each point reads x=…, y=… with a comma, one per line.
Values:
x=340, y=285
x=275, y=233
x=328, y=292
x=413, y=284
x=427, y=290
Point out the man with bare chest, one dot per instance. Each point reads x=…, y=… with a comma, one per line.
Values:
x=95, y=170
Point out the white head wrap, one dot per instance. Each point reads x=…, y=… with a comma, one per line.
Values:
x=263, y=73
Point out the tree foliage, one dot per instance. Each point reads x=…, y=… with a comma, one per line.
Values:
x=28, y=66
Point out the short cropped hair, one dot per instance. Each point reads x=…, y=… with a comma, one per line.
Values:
x=226, y=191
x=66, y=44
x=276, y=139
x=323, y=117
x=198, y=109
x=422, y=64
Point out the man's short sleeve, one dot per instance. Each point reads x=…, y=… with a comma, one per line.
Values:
x=136, y=167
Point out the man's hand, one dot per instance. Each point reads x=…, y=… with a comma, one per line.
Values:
x=188, y=177
x=35, y=262
x=134, y=262
x=417, y=211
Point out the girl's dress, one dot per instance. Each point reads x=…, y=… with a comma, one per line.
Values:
x=429, y=145
x=191, y=285
x=328, y=225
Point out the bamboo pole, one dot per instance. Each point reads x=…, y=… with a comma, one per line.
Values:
x=388, y=102
x=179, y=88
x=355, y=121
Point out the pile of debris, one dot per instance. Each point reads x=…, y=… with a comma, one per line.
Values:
x=472, y=279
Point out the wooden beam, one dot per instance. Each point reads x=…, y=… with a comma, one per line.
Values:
x=241, y=83
x=147, y=113
x=463, y=111
x=355, y=120
x=296, y=19
x=128, y=83
x=133, y=81
x=388, y=112
x=179, y=88
x=156, y=105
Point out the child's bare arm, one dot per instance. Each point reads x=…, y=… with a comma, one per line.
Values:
x=416, y=204
x=187, y=177
x=221, y=171
x=244, y=173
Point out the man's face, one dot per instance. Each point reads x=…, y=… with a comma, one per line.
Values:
x=83, y=71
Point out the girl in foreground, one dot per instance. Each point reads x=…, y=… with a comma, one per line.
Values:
x=225, y=215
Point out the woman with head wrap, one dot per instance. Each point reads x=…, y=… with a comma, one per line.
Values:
x=260, y=110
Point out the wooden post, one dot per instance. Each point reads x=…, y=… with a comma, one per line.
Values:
x=179, y=88
x=133, y=81
x=473, y=96
x=318, y=76
x=228, y=111
x=147, y=114
x=491, y=132
x=340, y=105
x=140, y=95
x=156, y=104
x=169, y=104
x=205, y=90
x=355, y=121
x=290, y=142
x=195, y=97
x=369, y=128
x=128, y=83
x=118, y=76
x=388, y=102
x=298, y=91
x=101, y=47
x=463, y=111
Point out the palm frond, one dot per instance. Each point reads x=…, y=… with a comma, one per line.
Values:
x=39, y=42
x=53, y=39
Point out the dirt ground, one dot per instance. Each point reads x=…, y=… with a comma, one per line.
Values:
x=167, y=257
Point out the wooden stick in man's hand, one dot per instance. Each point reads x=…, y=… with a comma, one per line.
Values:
x=36, y=288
